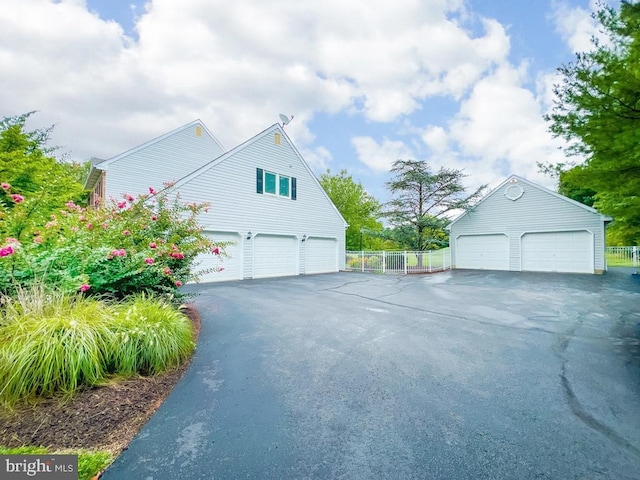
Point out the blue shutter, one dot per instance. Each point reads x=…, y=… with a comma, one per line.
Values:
x=259, y=180
x=293, y=188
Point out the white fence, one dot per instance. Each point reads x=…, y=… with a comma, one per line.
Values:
x=399, y=262
x=623, y=256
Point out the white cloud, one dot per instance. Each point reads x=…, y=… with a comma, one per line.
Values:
x=380, y=156
x=576, y=26
x=235, y=65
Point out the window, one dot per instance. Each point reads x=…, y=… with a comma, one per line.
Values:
x=283, y=189
x=270, y=183
x=275, y=184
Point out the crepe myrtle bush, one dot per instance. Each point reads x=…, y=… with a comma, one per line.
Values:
x=147, y=243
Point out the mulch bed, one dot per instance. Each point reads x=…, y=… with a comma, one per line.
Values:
x=102, y=418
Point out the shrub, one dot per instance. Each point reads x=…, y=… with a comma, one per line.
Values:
x=52, y=342
x=151, y=336
x=89, y=463
x=373, y=262
x=144, y=244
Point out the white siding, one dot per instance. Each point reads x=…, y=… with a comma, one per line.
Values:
x=167, y=159
x=537, y=210
x=229, y=186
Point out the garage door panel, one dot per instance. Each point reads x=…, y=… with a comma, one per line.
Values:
x=483, y=252
x=231, y=264
x=321, y=255
x=275, y=256
x=570, y=252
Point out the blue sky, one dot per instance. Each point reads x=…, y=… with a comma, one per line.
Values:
x=458, y=83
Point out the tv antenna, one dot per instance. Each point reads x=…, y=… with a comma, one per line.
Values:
x=285, y=120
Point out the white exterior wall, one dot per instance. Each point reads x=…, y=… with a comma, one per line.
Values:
x=229, y=185
x=537, y=210
x=166, y=159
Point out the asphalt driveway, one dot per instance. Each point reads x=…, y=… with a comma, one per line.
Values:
x=458, y=375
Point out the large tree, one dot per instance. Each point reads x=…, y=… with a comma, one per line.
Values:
x=598, y=113
x=359, y=208
x=422, y=202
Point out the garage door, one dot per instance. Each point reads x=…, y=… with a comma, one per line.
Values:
x=231, y=264
x=558, y=252
x=274, y=255
x=321, y=255
x=484, y=252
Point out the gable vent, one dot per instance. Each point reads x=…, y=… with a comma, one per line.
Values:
x=277, y=138
x=198, y=131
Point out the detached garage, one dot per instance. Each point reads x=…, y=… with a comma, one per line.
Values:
x=522, y=226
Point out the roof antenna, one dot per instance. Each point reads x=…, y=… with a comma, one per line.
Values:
x=285, y=120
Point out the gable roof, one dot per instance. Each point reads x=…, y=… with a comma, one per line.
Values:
x=272, y=129
x=98, y=165
x=534, y=185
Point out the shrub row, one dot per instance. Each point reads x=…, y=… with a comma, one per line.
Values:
x=52, y=343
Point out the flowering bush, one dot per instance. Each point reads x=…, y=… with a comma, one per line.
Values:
x=144, y=244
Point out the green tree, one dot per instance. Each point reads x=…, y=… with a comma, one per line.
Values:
x=418, y=213
x=359, y=209
x=598, y=113
x=27, y=165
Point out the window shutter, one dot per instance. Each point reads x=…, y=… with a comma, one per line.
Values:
x=259, y=180
x=293, y=188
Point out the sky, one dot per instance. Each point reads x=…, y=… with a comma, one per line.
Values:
x=462, y=84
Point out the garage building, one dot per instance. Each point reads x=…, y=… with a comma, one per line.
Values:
x=521, y=226
x=265, y=202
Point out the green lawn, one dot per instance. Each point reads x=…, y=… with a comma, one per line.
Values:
x=614, y=260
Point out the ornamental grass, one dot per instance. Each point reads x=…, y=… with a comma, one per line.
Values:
x=53, y=343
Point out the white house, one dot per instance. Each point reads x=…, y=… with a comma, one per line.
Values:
x=522, y=226
x=264, y=198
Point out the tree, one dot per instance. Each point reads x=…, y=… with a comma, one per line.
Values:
x=597, y=112
x=27, y=166
x=418, y=213
x=359, y=209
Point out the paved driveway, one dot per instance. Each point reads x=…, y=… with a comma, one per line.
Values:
x=458, y=375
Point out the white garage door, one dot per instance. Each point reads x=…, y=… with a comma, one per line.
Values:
x=275, y=255
x=231, y=264
x=321, y=255
x=484, y=252
x=558, y=252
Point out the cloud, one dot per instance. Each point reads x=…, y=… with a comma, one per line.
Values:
x=380, y=156
x=576, y=26
x=235, y=65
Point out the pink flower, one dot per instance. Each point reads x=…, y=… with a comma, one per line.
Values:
x=149, y=261
x=70, y=205
x=84, y=287
x=105, y=226
x=122, y=204
x=49, y=224
x=74, y=229
x=152, y=190
x=126, y=232
x=17, y=197
x=178, y=283
x=6, y=251
x=82, y=218
x=154, y=218
x=129, y=198
x=167, y=271
x=37, y=240
x=215, y=250
x=11, y=241
x=153, y=245
x=89, y=226
x=5, y=186
x=118, y=253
